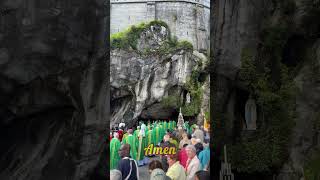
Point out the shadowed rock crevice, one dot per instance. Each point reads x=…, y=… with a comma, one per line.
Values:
x=53, y=89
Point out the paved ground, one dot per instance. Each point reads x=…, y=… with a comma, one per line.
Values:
x=144, y=170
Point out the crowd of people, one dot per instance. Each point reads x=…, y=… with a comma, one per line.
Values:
x=191, y=161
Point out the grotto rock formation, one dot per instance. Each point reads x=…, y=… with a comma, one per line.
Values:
x=140, y=79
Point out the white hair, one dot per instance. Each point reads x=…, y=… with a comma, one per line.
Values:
x=122, y=125
x=191, y=147
x=115, y=174
x=198, y=140
x=116, y=135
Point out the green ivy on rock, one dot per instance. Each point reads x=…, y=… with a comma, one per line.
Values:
x=128, y=40
x=266, y=148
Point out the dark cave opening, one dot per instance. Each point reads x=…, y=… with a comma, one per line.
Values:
x=239, y=111
x=294, y=50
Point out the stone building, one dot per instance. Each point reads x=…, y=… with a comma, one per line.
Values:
x=187, y=19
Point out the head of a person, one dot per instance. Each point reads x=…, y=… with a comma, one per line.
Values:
x=185, y=136
x=193, y=141
x=189, y=136
x=166, y=138
x=172, y=158
x=116, y=135
x=198, y=140
x=205, y=145
x=124, y=150
x=115, y=174
x=130, y=131
x=191, y=151
x=185, y=145
x=155, y=164
x=202, y=175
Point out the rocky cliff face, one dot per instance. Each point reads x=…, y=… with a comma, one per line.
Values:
x=53, y=89
x=291, y=30
x=140, y=81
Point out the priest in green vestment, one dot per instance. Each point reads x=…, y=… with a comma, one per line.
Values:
x=186, y=127
x=149, y=136
x=156, y=135
x=170, y=125
x=165, y=125
x=162, y=132
x=133, y=142
x=174, y=124
x=114, y=148
x=124, y=136
x=136, y=132
x=142, y=160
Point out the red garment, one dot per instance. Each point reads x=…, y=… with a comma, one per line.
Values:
x=183, y=157
x=110, y=138
x=120, y=132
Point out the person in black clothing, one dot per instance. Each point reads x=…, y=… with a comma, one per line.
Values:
x=127, y=165
x=165, y=143
x=202, y=175
x=199, y=147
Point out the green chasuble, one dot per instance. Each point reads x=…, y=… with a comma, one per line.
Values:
x=142, y=144
x=136, y=133
x=114, y=156
x=187, y=127
x=149, y=136
x=173, y=141
x=162, y=132
x=169, y=125
x=133, y=141
x=174, y=124
x=124, y=136
x=156, y=135
x=165, y=125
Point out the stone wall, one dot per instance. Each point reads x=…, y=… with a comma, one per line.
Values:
x=188, y=19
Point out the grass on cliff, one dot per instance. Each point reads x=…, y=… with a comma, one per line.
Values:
x=128, y=39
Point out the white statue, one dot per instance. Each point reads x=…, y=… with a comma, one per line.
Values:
x=180, y=119
x=251, y=114
x=188, y=98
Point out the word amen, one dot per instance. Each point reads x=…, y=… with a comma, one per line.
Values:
x=158, y=150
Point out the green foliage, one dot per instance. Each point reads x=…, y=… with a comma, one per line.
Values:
x=128, y=40
x=267, y=148
x=172, y=101
x=194, y=87
x=311, y=169
x=186, y=45
x=248, y=68
x=252, y=156
x=207, y=115
x=274, y=39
